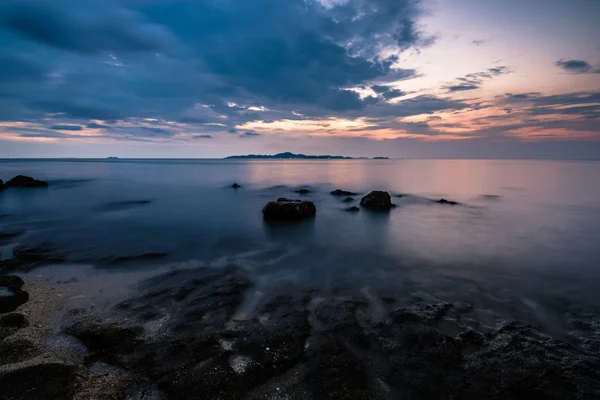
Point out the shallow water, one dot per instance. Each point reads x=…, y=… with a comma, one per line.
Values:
x=523, y=242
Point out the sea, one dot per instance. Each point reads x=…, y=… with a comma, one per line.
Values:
x=523, y=241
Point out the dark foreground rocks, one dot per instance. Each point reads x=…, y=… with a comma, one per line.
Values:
x=215, y=342
x=11, y=294
x=288, y=210
x=24, y=182
x=377, y=200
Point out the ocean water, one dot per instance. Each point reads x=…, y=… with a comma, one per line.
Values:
x=524, y=241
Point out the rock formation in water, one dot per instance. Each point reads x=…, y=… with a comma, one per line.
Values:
x=377, y=200
x=286, y=210
x=352, y=209
x=447, y=202
x=22, y=181
x=339, y=192
x=302, y=191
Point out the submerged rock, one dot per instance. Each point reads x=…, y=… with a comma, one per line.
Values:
x=352, y=209
x=302, y=191
x=377, y=200
x=285, y=210
x=28, y=257
x=11, y=294
x=348, y=200
x=22, y=181
x=339, y=192
x=448, y=202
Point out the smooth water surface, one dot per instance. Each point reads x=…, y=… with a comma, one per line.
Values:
x=523, y=241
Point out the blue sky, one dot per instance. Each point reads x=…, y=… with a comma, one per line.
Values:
x=210, y=78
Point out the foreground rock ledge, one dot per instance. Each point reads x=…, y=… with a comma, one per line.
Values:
x=288, y=210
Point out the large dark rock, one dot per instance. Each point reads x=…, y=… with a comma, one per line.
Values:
x=11, y=294
x=48, y=381
x=13, y=320
x=339, y=192
x=22, y=181
x=288, y=210
x=377, y=200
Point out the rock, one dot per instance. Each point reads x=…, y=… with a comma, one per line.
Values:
x=10, y=235
x=48, y=381
x=302, y=191
x=137, y=257
x=348, y=200
x=104, y=337
x=285, y=210
x=22, y=181
x=18, y=350
x=339, y=192
x=28, y=257
x=2, y=185
x=377, y=200
x=352, y=209
x=11, y=294
x=236, y=186
x=448, y=202
x=13, y=320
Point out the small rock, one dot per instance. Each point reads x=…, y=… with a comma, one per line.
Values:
x=11, y=294
x=13, y=320
x=46, y=381
x=236, y=186
x=100, y=337
x=377, y=200
x=302, y=191
x=285, y=209
x=22, y=181
x=448, y=202
x=2, y=185
x=352, y=209
x=348, y=200
x=339, y=192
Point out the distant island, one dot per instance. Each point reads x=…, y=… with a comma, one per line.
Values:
x=288, y=155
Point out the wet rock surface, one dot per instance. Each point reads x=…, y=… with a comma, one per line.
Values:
x=288, y=210
x=48, y=381
x=377, y=200
x=196, y=335
x=24, y=182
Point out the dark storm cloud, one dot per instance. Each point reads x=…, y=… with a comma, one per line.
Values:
x=577, y=66
x=202, y=137
x=66, y=127
x=81, y=26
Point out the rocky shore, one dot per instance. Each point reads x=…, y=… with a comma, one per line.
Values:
x=189, y=334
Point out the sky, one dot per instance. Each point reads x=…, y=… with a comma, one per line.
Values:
x=211, y=78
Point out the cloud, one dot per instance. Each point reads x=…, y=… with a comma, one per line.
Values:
x=82, y=26
x=66, y=127
x=249, y=134
x=95, y=125
x=461, y=88
x=577, y=66
x=474, y=80
x=387, y=92
x=478, y=42
x=202, y=137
